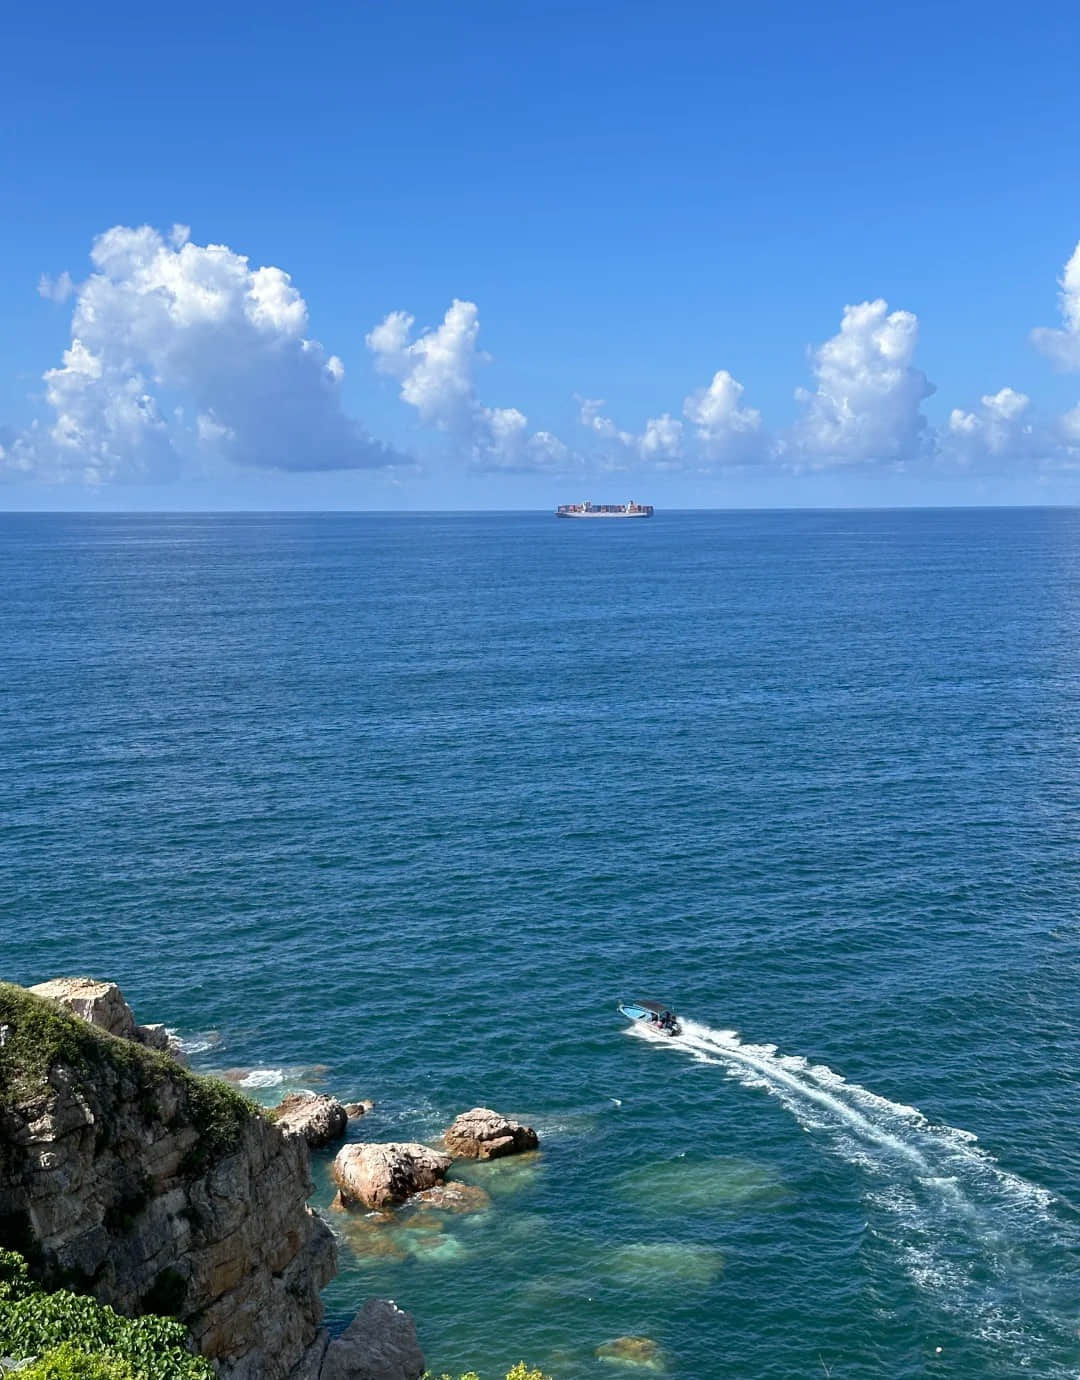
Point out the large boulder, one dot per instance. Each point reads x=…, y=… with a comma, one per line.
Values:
x=316, y=1117
x=379, y=1344
x=374, y=1176
x=482, y=1134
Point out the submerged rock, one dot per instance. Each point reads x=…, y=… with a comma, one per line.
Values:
x=371, y=1240
x=374, y=1176
x=718, y=1183
x=481, y=1134
x=662, y=1264
x=316, y=1117
x=454, y=1197
x=632, y=1351
x=504, y=1177
x=379, y=1344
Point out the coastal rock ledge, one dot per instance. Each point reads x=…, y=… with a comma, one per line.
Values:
x=125, y=1176
x=482, y=1134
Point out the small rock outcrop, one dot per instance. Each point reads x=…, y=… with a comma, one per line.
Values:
x=379, y=1344
x=355, y=1109
x=318, y=1118
x=376, y=1176
x=482, y=1134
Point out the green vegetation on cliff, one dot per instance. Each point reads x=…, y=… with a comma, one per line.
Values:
x=36, y=1035
x=74, y=1337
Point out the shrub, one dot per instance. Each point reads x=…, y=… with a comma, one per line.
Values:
x=77, y=1338
x=519, y=1372
x=68, y=1362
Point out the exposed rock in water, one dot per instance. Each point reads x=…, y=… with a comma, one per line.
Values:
x=361, y=1108
x=379, y=1344
x=126, y=1176
x=633, y=1351
x=316, y=1117
x=482, y=1134
x=374, y=1176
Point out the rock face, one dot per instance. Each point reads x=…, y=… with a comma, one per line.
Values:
x=374, y=1176
x=379, y=1344
x=482, y=1134
x=316, y=1117
x=124, y=1175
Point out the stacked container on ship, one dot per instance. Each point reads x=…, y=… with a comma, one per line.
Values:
x=604, y=510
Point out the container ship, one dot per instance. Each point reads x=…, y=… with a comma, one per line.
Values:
x=604, y=510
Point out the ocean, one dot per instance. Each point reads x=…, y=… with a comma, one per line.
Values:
x=400, y=806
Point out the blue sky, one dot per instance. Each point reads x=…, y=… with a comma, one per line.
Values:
x=664, y=207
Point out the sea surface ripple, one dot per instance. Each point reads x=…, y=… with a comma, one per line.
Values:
x=401, y=805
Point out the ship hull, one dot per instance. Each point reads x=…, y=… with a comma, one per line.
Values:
x=616, y=516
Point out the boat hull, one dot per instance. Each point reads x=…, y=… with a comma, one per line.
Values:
x=649, y=1018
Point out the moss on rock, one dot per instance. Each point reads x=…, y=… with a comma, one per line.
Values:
x=37, y=1036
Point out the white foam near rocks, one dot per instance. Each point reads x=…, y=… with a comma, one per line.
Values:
x=262, y=1078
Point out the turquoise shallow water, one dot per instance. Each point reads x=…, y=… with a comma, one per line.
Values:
x=401, y=806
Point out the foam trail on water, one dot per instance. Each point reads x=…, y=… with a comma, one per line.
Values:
x=972, y=1234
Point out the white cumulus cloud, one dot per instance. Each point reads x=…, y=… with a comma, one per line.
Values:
x=437, y=374
x=726, y=430
x=867, y=402
x=184, y=351
x=723, y=431
x=1001, y=428
x=1062, y=347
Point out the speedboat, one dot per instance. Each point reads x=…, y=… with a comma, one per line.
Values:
x=654, y=1014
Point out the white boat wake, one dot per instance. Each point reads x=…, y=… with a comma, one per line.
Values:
x=998, y=1253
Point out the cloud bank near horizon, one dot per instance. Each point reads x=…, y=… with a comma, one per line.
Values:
x=183, y=357
x=437, y=373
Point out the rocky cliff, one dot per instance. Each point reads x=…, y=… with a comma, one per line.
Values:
x=125, y=1176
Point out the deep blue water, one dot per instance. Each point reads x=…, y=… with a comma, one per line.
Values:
x=400, y=806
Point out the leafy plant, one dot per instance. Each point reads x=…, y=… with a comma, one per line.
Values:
x=76, y=1338
x=68, y=1362
x=519, y=1372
